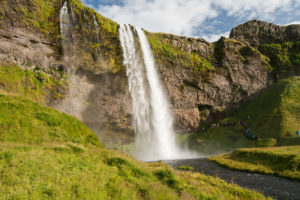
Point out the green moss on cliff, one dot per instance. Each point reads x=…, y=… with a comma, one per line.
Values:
x=283, y=57
x=33, y=84
x=167, y=53
x=98, y=40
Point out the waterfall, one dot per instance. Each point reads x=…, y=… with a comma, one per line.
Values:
x=65, y=25
x=96, y=27
x=137, y=88
x=152, y=119
x=64, y=20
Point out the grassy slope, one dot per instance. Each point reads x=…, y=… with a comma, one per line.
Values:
x=45, y=154
x=281, y=161
x=273, y=114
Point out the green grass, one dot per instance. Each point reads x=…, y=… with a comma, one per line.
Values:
x=36, y=85
x=22, y=120
x=45, y=154
x=280, y=161
x=187, y=168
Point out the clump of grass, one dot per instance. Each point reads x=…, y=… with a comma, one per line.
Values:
x=280, y=161
x=186, y=168
x=167, y=177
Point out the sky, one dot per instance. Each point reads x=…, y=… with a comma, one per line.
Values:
x=208, y=19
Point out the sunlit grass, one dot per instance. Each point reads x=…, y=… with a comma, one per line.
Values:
x=281, y=161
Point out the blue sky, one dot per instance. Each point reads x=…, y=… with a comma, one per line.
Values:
x=208, y=19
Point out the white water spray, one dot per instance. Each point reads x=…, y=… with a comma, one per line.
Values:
x=152, y=119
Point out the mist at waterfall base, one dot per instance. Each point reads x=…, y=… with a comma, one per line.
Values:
x=152, y=119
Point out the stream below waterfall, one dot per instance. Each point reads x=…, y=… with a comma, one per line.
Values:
x=275, y=187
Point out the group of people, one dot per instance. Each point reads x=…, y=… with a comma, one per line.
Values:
x=247, y=131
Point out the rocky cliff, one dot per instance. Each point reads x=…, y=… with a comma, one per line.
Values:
x=200, y=78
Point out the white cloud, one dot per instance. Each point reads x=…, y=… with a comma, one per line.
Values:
x=262, y=8
x=215, y=37
x=183, y=17
x=172, y=16
x=295, y=22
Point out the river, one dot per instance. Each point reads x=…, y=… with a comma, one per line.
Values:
x=275, y=187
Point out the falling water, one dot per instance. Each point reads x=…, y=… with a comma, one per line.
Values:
x=65, y=26
x=152, y=120
x=64, y=20
x=137, y=88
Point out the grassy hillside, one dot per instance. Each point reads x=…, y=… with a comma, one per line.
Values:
x=274, y=113
x=274, y=116
x=280, y=161
x=22, y=120
x=45, y=154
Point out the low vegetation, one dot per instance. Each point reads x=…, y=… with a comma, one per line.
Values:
x=280, y=161
x=45, y=154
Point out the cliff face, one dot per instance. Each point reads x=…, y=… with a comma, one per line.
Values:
x=200, y=78
x=257, y=32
